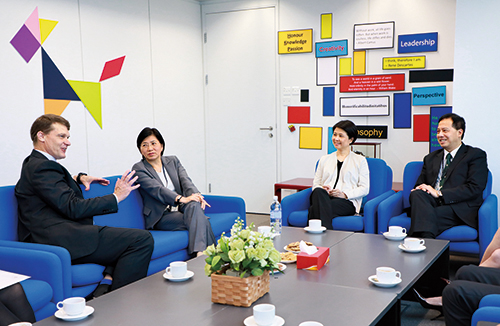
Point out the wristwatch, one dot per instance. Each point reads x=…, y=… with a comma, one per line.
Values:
x=78, y=178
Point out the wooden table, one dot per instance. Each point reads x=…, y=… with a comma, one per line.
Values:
x=293, y=184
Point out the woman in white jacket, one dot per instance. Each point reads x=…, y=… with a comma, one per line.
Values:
x=342, y=178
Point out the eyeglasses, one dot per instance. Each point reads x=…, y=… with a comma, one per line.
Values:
x=146, y=145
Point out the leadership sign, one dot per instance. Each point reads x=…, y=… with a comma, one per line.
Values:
x=427, y=42
x=331, y=49
x=299, y=41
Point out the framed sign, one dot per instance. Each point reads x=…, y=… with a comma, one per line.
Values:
x=374, y=36
x=364, y=106
x=299, y=41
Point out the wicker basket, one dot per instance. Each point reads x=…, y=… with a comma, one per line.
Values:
x=238, y=291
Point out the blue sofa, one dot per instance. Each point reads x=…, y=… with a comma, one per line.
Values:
x=463, y=239
x=295, y=207
x=488, y=311
x=43, y=288
x=81, y=280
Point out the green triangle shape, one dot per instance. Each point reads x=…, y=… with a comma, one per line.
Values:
x=90, y=95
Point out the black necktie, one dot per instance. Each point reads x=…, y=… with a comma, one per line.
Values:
x=443, y=175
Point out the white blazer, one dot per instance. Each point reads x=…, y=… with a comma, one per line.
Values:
x=354, y=179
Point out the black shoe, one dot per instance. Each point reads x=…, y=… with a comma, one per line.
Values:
x=425, y=304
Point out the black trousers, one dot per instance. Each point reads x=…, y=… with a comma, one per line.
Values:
x=127, y=251
x=14, y=306
x=326, y=208
x=430, y=217
x=461, y=298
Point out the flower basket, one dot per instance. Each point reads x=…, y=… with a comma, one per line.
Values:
x=237, y=291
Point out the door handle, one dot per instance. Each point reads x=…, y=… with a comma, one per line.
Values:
x=270, y=128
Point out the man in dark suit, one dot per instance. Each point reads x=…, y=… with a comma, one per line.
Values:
x=449, y=190
x=52, y=210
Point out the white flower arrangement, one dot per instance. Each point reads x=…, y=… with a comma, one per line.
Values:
x=246, y=252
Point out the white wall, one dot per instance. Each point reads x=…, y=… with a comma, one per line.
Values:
x=411, y=17
x=476, y=72
x=160, y=84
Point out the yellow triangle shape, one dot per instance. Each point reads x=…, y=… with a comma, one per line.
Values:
x=90, y=94
x=46, y=27
x=55, y=106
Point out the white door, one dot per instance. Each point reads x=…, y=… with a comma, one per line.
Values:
x=240, y=66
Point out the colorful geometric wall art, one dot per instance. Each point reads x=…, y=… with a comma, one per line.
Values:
x=299, y=114
x=310, y=137
x=328, y=101
x=57, y=90
x=421, y=127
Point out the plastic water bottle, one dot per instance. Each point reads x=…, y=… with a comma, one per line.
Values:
x=276, y=220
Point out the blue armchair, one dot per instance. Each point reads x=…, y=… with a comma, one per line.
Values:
x=463, y=239
x=295, y=207
x=43, y=289
x=489, y=310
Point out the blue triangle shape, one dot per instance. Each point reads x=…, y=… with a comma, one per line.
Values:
x=55, y=86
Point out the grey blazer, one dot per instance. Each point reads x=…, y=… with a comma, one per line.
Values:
x=156, y=197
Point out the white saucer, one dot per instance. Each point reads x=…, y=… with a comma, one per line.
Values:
x=374, y=280
x=394, y=237
x=288, y=261
x=308, y=229
x=86, y=312
x=188, y=275
x=281, y=266
x=419, y=249
x=278, y=321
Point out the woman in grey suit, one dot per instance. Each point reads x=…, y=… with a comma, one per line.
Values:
x=171, y=200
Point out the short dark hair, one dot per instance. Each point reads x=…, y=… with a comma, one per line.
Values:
x=458, y=121
x=145, y=133
x=349, y=127
x=44, y=123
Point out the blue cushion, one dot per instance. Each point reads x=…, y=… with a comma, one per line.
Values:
x=8, y=214
x=39, y=293
x=470, y=247
x=459, y=233
x=167, y=242
x=222, y=222
x=298, y=218
x=86, y=274
x=348, y=223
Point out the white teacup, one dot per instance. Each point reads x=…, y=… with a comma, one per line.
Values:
x=310, y=323
x=414, y=243
x=264, y=230
x=387, y=274
x=72, y=306
x=396, y=231
x=177, y=269
x=263, y=314
x=315, y=224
